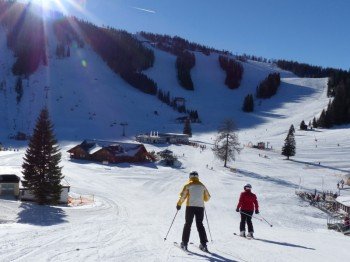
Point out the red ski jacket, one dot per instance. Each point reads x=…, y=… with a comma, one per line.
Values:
x=248, y=201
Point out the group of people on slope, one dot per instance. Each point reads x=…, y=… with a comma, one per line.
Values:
x=195, y=194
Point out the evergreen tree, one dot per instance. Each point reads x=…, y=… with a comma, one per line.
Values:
x=314, y=123
x=68, y=51
x=269, y=86
x=288, y=149
x=248, y=104
x=19, y=89
x=41, y=171
x=187, y=127
x=226, y=143
x=234, y=71
x=303, y=126
x=322, y=120
x=291, y=130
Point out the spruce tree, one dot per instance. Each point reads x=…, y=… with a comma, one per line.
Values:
x=251, y=103
x=291, y=130
x=41, y=171
x=187, y=127
x=303, y=126
x=19, y=90
x=288, y=149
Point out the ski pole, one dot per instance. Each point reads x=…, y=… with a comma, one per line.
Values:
x=250, y=216
x=171, y=225
x=261, y=219
x=205, y=212
x=266, y=220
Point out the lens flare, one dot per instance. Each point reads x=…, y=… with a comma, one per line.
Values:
x=84, y=63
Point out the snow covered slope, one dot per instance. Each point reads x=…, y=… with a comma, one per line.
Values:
x=135, y=204
x=86, y=99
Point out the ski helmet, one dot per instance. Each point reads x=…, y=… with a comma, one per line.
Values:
x=248, y=186
x=194, y=174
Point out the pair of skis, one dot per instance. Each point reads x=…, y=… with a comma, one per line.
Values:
x=187, y=251
x=246, y=237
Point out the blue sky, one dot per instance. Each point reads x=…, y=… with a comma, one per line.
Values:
x=312, y=31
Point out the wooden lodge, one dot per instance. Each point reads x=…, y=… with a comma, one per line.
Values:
x=110, y=152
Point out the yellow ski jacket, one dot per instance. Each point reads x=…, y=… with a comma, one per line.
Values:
x=195, y=193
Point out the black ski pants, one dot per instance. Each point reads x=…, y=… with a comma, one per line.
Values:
x=246, y=217
x=192, y=212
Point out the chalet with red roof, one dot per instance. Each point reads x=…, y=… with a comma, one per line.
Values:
x=111, y=152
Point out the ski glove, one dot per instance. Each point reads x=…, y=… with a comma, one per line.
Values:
x=237, y=209
x=257, y=212
x=178, y=207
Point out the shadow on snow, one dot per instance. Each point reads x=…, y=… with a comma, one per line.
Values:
x=283, y=243
x=319, y=165
x=274, y=180
x=40, y=215
x=212, y=257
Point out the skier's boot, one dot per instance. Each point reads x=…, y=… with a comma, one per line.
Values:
x=242, y=234
x=250, y=234
x=203, y=247
x=183, y=246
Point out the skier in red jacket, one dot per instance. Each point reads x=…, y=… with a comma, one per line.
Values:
x=246, y=206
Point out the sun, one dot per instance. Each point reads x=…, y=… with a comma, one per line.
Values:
x=63, y=6
x=46, y=4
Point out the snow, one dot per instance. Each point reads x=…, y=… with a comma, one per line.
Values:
x=135, y=204
x=345, y=200
x=94, y=149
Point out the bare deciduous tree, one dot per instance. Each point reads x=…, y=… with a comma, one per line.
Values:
x=226, y=143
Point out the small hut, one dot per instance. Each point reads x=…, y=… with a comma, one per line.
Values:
x=9, y=185
x=26, y=195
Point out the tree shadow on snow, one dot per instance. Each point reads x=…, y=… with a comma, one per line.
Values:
x=319, y=165
x=283, y=243
x=40, y=215
x=274, y=180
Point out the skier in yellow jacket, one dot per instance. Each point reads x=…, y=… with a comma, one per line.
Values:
x=195, y=193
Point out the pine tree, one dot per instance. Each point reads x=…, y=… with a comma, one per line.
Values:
x=303, y=126
x=226, y=143
x=41, y=172
x=291, y=130
x=314, y=123
x=19, y=90
x=187, y=127
x=288, y=149
x=248, y=104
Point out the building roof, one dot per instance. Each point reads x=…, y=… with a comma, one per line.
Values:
x=344, y=200
x=113, y=147
x=8, y=178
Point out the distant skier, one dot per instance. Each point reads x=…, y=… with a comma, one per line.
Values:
x=195, y=193
x=246, y=205
x=342, y=183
